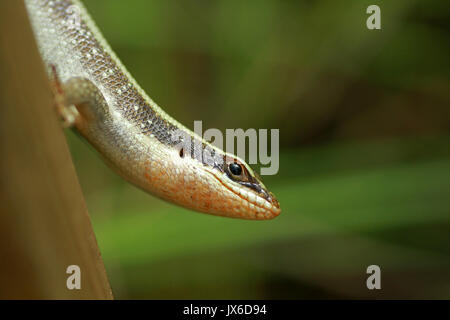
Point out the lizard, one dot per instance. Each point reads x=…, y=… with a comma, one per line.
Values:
x=98, y=97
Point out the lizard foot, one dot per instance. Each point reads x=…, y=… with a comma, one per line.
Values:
x=67, y=112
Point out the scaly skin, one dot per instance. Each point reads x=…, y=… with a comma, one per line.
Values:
x=133, y=134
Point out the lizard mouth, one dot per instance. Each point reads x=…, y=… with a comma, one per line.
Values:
x=261, y=199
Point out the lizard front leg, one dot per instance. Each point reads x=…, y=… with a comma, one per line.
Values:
x=78, y=101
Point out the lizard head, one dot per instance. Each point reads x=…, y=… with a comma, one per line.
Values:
x=225, y=185
x=255, y=200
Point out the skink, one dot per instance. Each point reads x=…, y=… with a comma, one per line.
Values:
x=133, y=134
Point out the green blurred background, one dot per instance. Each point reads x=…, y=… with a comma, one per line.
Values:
x=364, y=120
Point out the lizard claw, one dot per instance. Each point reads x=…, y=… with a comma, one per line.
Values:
x=67, y=113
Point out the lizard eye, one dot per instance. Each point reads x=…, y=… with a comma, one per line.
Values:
x=235, y=169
